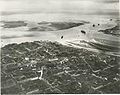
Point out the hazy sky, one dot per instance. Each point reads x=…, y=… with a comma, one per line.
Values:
x=76, y=6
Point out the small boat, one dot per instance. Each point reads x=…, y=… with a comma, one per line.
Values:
x=61, y=37
x=82, y=31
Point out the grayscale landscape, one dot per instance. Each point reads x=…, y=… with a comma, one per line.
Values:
x=60, y=47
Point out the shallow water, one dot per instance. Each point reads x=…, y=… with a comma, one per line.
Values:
x=21, y=34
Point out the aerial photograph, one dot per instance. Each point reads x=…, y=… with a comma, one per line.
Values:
x=60, y=47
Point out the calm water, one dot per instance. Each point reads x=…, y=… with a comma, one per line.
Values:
x=19, y=35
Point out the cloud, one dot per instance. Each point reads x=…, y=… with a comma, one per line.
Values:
x=108, y=1
x=75, y=6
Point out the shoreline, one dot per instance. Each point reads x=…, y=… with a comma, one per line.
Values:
x=78, y=44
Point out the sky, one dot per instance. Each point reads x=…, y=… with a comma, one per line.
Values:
x=64, y=6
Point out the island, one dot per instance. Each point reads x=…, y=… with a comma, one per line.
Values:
x=115, y=31
x=13, y=24
x=53, y=26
